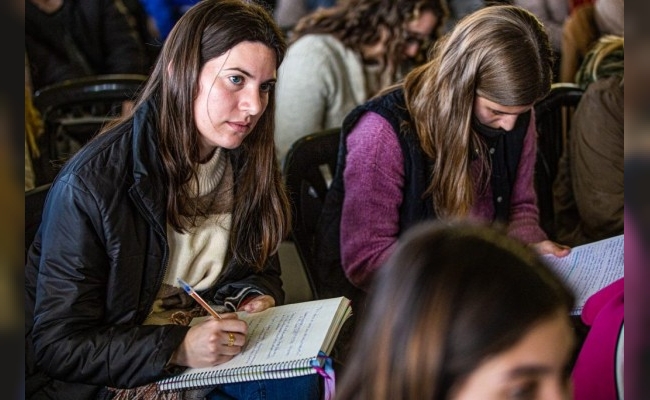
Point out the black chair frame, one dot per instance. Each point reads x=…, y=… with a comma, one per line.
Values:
x=78, y=108
x=553, y=120
x=308, y=168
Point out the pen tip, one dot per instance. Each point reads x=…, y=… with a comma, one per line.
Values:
x=184, y=285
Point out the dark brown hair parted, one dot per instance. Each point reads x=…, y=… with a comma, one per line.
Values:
x=261, y=213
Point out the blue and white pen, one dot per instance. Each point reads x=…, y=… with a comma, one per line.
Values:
x=186, y=286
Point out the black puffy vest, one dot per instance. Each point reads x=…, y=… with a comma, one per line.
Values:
x=416, y=207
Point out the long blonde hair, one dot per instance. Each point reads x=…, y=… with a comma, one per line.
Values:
x=605, y=59
x=501, y=53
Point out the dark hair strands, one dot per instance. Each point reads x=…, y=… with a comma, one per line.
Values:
x=451, y=307
x=261, y=213
x=358, y=23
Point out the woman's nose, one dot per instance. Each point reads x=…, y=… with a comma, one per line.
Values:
x=251, y=102
x=507, y=122
x=411, y=50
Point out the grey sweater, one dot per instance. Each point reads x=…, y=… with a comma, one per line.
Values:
x=319, y=82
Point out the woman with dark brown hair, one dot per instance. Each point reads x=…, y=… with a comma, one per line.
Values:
x=186, y=187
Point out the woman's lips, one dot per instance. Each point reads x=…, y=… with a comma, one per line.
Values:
x=239, y=126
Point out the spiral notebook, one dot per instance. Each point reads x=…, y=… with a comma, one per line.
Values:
x=283, y=342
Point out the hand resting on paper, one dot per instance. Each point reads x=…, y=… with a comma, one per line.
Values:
x=257, y=303
x=207, y=343
x=550, y=247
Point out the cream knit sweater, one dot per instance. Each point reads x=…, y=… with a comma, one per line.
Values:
x=198, y=255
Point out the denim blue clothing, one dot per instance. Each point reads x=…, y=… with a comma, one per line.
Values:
x=312, y=5
x=166, y=13
x=306, y=387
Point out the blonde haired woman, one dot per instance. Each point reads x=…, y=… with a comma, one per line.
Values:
x=455, y=141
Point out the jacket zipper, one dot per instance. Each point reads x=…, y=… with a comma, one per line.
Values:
x=165, y=263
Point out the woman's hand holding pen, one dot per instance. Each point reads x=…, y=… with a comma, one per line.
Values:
x=211, y=342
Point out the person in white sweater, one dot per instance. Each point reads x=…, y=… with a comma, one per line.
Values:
x=340, y=56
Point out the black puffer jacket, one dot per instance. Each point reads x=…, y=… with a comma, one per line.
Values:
x=95, y=268
x=99, y=29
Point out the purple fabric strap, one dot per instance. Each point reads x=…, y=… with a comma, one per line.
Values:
x=327, y=372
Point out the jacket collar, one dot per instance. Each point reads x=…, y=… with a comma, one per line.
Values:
x=149, y=188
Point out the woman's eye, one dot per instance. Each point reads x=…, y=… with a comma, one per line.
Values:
x=237, y=80
x=523, y=392
x=267, y=87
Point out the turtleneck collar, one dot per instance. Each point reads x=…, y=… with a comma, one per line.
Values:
x=487, y=131
x=209, y=174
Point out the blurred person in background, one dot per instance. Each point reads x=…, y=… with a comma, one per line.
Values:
x=67, y=39
x=441, y=324
x=582, y=29
x=589, y=188
x=163, y=14
x=288, y=12
x=552, y=13
x=340, y=56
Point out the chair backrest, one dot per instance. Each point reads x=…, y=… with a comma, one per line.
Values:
x=77, y=108
x=34, y=202
x=553, y=117
x=308, y=169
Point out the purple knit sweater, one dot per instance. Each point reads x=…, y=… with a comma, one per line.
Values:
x=374, y=180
